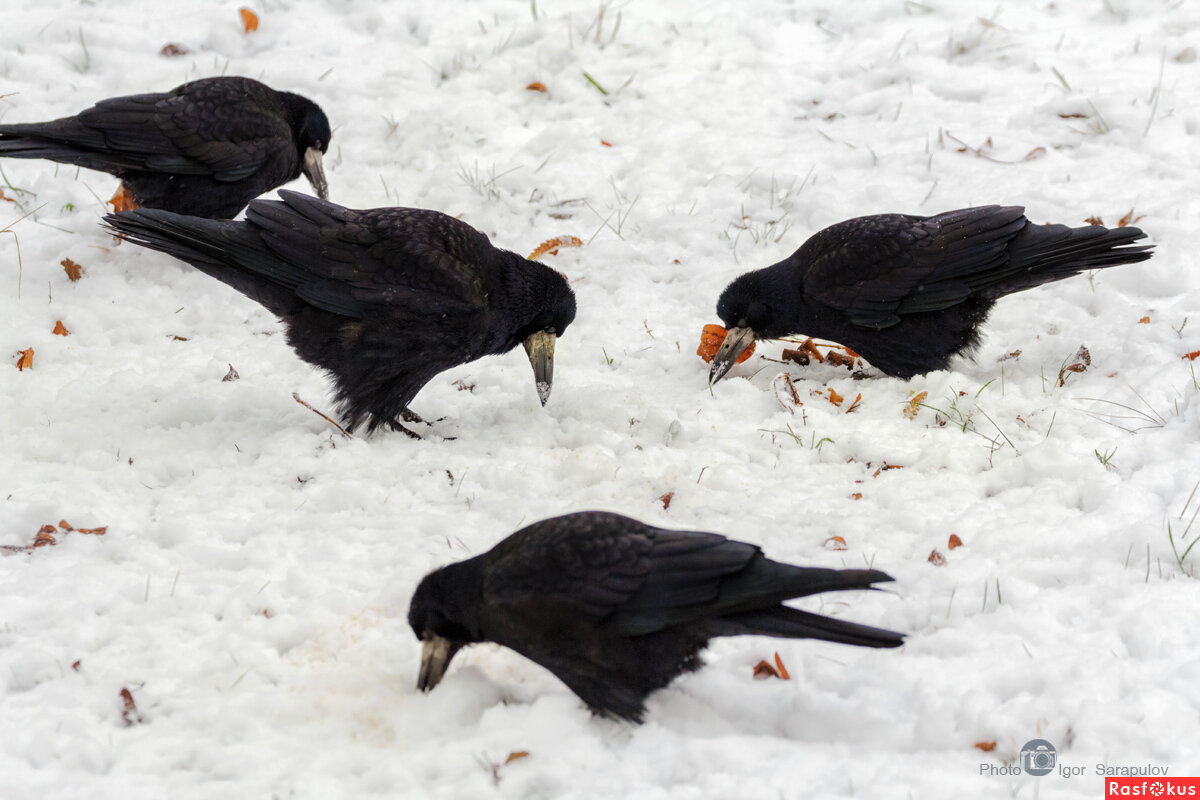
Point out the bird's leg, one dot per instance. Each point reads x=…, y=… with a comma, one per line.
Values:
x=411, y=416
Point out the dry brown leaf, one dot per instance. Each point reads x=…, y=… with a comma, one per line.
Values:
x=1192, y=356
x=170, y=49
x=986, y=747
x=910, y=408
x=854, y=405
x=606, y=144
x=60, y=329
x=25, y=359
x=73, y=270
x=1083, y=360
x=666, y=500
x=837, y=542
x=129, y=713
x=856, y=496
x=1036, y=152
x=537, y=86
x=232, y=375
x=1094, y=221
x=515, y=755
x=955, y=541
x=1144, y=320
x=103, y=529
x=937, y=559
x=249, y=19
x=835, y=398
x=551, y=246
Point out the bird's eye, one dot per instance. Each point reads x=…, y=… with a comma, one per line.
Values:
x=550, y=329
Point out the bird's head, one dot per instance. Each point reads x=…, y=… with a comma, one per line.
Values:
x=441, y=617
x=747, y=314
x=553, y=313
x=310, y=127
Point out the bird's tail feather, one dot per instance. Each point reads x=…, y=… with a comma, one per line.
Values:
x=65, y=141
x=791, y=623
x=231, y=252
x=1045, y=253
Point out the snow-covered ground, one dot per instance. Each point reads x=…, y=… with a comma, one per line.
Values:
x=250, y=592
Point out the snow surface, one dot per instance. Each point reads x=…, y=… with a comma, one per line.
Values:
x=251, y=589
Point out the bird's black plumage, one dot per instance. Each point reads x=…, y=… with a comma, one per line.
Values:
x=384, y=299
x=908, y=293
x=616, y=609
x=205, y=148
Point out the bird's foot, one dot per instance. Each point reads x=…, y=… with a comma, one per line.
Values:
x=396, y=426
x=411, y=416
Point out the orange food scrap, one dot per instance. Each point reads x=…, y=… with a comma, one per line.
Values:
x=764, y=669
x=60, y=329
x=1144, y=320
x=1128, y=219
x=1192, y=356
x=551, y=246
x=537, y=86
x=837, y=542
x=666, y=500
x=783, y=673
x=73, y=270
x=515, y=755
x=835, y=398
x=25, y=359
x=910, y=408
x=710, y=342
x=123, y=200
x=937, y=559
x=249, y=19
x=986, y=747
x=955, y=541
x=45, y=536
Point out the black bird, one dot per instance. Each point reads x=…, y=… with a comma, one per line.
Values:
x=905, y=292
x=205, y=148
x=384, y=299
x=616, y=609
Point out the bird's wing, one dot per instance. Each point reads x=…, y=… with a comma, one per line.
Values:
x=873, y=269
x=374, y=263
x=631, y=577
x=228, y=129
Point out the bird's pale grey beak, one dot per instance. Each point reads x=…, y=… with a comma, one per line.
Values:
x=315, y=172
x=736, y=342
x=540, y=349
x=436, y=653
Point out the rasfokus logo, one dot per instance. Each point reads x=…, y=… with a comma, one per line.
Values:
x=1151, y=787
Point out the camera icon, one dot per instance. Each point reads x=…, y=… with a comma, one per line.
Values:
x=1038, y=757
